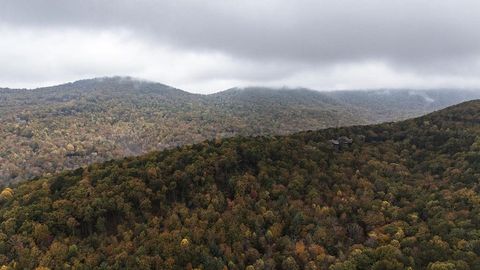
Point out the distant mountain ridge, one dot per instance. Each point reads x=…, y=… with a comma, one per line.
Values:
x=377, y=103
x=51, y=129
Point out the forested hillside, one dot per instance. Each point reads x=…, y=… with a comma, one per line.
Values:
x=401, y=196
x=51, y=129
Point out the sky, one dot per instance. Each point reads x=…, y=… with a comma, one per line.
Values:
x=212, y=45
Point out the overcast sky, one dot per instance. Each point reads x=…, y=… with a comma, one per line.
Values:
x=206, y=46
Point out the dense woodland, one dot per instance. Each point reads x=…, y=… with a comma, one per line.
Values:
x=403, y=196
x=51, y=129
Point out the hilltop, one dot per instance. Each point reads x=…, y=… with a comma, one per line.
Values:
x=401, y=196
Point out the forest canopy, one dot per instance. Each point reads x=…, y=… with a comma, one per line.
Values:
x=401, y=196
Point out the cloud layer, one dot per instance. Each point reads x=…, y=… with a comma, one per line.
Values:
x=206, y=46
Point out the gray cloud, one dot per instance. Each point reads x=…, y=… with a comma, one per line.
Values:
x=424, y=37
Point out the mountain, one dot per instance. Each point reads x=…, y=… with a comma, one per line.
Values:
x=365, y=106
x=284, y=111
x=389, y=105
x=402, y=195
x=51, y=129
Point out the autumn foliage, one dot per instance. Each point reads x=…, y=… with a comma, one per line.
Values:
x=402, y=196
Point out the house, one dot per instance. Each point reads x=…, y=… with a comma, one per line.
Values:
x=345, y=140
x=341, y=142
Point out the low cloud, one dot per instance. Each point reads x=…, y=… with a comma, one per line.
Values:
x=206, y=46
